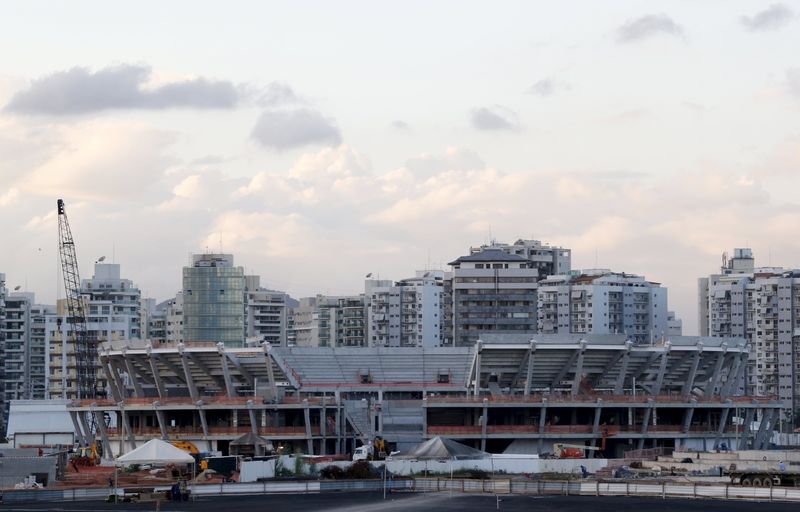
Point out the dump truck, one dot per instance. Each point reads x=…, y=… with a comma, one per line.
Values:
x=764, y=478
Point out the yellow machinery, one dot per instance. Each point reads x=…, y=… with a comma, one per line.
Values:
x=87, y=455
x=186, y=446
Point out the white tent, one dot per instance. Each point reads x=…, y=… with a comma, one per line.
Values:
x=155, y=451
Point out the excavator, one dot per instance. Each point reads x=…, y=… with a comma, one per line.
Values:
x=86, y=455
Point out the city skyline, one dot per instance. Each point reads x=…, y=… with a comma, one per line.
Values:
x=648, y=138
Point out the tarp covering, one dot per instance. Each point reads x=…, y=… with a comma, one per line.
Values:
x=155, y=451
x=250, y=439
x=439, y=448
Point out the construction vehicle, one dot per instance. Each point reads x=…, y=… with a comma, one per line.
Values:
x=86, y=455
x=764, y=478
x=572, y=451
x=373, y=451
x=186, y=446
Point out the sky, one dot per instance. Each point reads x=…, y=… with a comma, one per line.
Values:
x=321, y=141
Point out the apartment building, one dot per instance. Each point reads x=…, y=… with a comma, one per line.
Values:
x=407, y=313
x=548, y=260
x=266, y=313
x=492, y=291
x=761, y=304
x=113, y=312
x=213, y=300
x=329, y=321
x=603, y=302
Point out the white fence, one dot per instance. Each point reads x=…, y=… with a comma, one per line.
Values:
x=460, y=485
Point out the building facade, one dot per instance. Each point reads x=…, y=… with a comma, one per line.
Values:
x=603, y=302
x=213, y=300
x=761, y=304
x=113, y=312
x=329, y=321
x=546, y=259
x=492, y=291
x=266, y=313
x=407, y=313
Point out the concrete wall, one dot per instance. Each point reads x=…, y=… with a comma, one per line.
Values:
x=13, y=470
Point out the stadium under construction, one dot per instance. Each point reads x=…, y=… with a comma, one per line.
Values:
x=507, y=394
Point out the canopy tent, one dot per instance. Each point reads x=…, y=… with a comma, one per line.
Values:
x=439, y=448
x=155, y=451
x=250, y=444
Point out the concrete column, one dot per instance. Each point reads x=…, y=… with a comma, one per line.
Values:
x=162, y=422
x=307, y=419
x=187, y=371
x=542, y=415
x=687, y=416
x=746, y=430
x=126, y=425
x=113, y=380
x=661, y=370
x=689, y=383
x=87, y=431
x=340, y=430
x=619, y=386
x=162, y=393
x=123, y=390
x=101, y=428
x=226, y=371
x=78, y=430
x=137, y=386
x=252, y=413
x=576, y=382
x=203, y=421
x=712, y=384
x=485, y=423
x=722, y=421
x=729, y=388
x=478, y=348
x=424, y=418
x=646, y=422
x=765, y=429
x=596, y=425
x=529, y=373
x=270, y=372
x=323, y=427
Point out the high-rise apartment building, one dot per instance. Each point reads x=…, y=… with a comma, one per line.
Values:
x=674, y=324
x=266, y=313
x=603, y=302
x=761, y=304
x=213, y=300
x=113, y=312
x=546, y=259
x=492, y=291
x=329, y=321
x=407, y=313
x=23, y=360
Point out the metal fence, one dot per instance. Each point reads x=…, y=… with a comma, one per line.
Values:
x=459, y=485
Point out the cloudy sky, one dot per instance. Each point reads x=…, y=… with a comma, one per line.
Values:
x=320, y=141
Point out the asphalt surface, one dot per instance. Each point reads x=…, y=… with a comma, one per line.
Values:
x=439, y=502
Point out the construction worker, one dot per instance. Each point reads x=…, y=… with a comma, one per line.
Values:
x=781, y=465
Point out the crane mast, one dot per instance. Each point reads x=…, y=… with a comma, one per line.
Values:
x=85, y=351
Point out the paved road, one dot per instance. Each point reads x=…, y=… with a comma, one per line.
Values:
x=438, y=502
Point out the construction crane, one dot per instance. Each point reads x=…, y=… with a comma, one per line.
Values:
x=85, y=349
